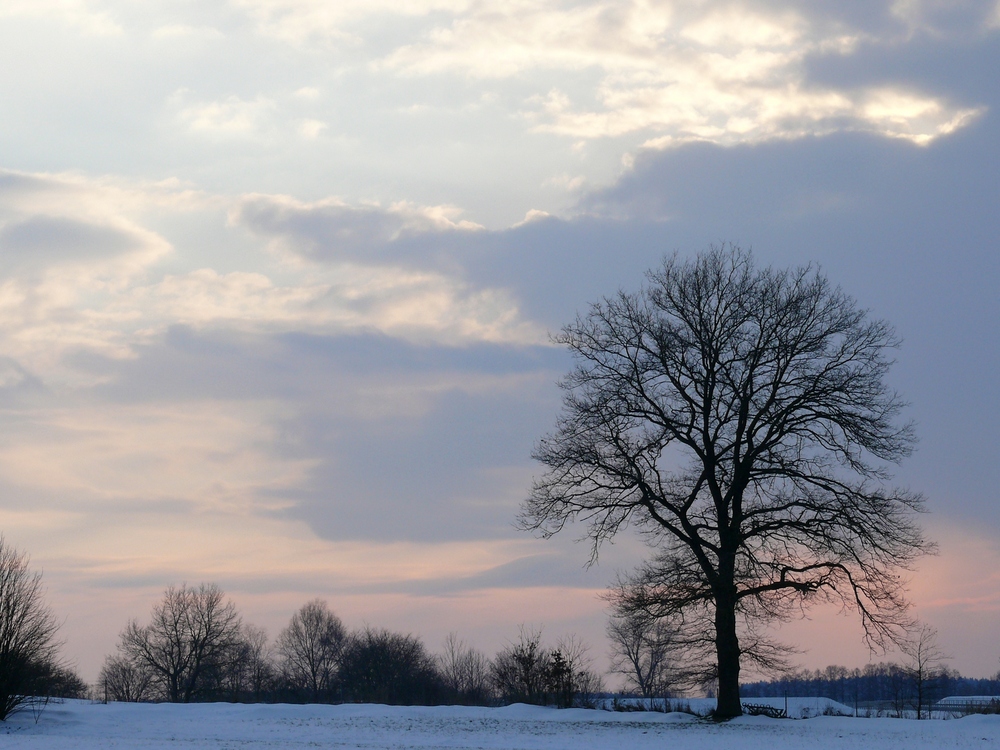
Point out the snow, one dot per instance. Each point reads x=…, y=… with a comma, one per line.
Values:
x=80, y=725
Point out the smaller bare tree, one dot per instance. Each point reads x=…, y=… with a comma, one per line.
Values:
x=28, y=629
x=925, y=663
x=581, y=681
x=258, y=661
x=519, y=670
x=310, y=648
x=122, y=679
x=247, y=669
x=465, y=671
x=643, y=652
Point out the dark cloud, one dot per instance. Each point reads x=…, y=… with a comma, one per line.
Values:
x=958, y=68
x=18, y=385
x=332, y=231
x=18, y=183
x=40, y=241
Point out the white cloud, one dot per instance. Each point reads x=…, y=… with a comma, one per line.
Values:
x=725, y=72
x=370, y=284
x=77, y=13
x=78, y=264
x=187, y=31
x=312, y=128
x=432, y=307
x=899, y=114
x=309, y=93
x=231, y=116
x=66, y=247
x=237, y=298
x=301, y=20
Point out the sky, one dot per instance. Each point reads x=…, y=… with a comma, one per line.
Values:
x=278, y=280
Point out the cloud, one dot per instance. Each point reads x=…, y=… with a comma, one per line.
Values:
x=312, y=128
x=65, y=248
x=331, y=229
x=78, y=260
x=44, y=241
x=304, y=20
x=944, y=18
x=722, y=72
x=231, y=116
x=398, y=269
x=210, y=456
x=412, y=305
x=187, y=31
x=78, y=13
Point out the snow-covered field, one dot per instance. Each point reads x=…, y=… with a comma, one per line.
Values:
x=79, y=725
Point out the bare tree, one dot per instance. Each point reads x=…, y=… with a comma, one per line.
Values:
x=190, y=634
x=520, y=670
x=121, y=679
x=28, y=630
x=246, y=669
x=578, y=681
x=645, y=651
x=740, y=417
x=465, y=671
x=310, y=647
x=925, y=662
x=258, y=663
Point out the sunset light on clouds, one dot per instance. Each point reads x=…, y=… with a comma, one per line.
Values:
x=278, y=278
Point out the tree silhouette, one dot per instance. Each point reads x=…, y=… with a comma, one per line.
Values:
x=740, y=418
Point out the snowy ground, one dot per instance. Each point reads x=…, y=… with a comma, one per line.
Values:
x=79, y=725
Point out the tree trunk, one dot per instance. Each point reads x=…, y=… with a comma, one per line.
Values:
x=727, y=647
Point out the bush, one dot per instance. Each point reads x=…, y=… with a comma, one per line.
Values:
x=378, y=666
x=521, y=670
x=123, y=679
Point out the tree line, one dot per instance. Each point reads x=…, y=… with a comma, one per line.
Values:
x=197, y=647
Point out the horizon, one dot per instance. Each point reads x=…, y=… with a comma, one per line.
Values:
x=279, y=276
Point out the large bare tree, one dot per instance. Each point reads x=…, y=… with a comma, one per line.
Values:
x=740, y=417
x=190, y=636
